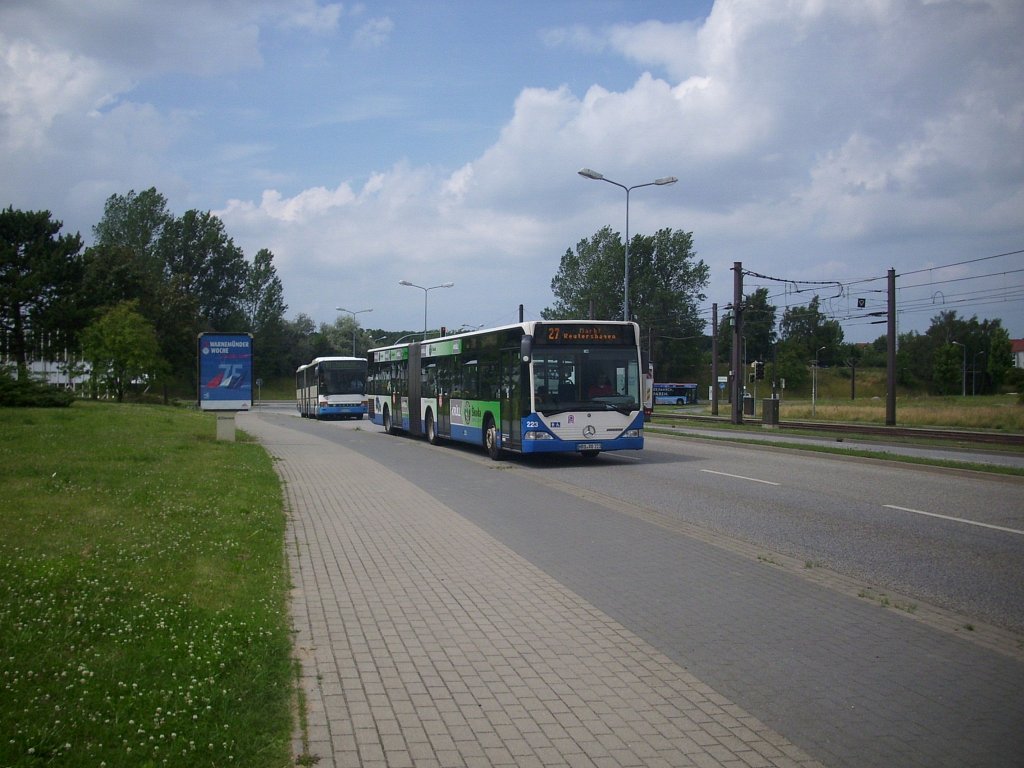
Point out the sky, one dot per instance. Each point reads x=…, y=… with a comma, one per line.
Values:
x=817, y=142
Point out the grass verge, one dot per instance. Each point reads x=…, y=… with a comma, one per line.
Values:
x=143, y=592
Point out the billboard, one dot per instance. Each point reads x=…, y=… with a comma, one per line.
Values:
x=225, y=371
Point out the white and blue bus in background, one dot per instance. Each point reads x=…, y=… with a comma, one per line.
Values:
x=331, y=388
x=569, y=386
x=675, y=394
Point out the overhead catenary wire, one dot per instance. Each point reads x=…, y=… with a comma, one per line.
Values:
x=908, y=304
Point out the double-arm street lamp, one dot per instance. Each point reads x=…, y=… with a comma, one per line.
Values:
x=587, y=173
x=425, y=292
x=357, y=312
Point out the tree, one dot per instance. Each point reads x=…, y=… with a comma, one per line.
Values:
x=122, y=347
x=914, y=358
x=1000, y=356
x=124, y=262
x=666, y=285
x=588, y=283
x=791, y=364
x=136, y=223
x=759, y=325
x=112, y=274
x=203, y=262
x=339, y=334
x=947, y=370
x=39, y=272
x=807, y=330
x=982, y=348
x=298, y=341
x=758, y=328
x=262, y=304
x=262, y=298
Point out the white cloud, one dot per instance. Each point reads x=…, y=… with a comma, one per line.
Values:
x=37, y=86
x=313, y=17
x=819, y=138
x=202, y=37
x=374, y=33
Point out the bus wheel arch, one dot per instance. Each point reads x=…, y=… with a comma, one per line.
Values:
x=491, y=442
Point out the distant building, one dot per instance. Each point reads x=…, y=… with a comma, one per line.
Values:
x=53, y=373
x=1017, y=348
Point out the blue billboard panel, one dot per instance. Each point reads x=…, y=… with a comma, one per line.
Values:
x=225, y=371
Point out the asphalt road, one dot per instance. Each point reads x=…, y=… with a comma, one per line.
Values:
x=843, y=601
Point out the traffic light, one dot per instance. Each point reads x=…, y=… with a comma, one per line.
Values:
x=759, y=371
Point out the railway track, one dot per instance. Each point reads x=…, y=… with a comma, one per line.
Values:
x=868, y=430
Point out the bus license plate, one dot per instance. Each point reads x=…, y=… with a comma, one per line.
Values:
x=588, y=447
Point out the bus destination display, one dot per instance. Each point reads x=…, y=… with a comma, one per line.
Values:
x=584, y=333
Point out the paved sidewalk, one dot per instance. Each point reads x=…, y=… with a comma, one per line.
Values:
x=426, y=642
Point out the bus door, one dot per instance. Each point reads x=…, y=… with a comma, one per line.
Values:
x=509, y=398
x=439, y=383
x=415, y=414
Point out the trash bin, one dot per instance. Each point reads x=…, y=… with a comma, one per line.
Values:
x=748, y=405
x=770, y=413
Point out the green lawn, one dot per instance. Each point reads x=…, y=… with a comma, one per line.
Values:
x=143, y=592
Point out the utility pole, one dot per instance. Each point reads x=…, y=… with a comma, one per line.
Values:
x=714, y=359
x=737, y=336
x=890, y=383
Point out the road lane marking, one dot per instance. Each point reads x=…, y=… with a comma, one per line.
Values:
x=739, y=477
x=955, y=519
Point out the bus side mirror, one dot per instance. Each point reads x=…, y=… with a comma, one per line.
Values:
x=526, y=348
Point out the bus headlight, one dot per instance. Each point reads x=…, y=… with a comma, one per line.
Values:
x=633, y=433
x=532, y=435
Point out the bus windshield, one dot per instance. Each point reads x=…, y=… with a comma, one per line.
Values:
x=343, y=378
x=569, y=378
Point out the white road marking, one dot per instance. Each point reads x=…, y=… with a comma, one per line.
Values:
x=739, y=477
x=955, y=519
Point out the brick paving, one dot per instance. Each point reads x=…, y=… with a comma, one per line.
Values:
x=426, y=642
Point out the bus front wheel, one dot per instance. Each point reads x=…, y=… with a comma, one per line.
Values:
x=491, y=439
x=389, y=427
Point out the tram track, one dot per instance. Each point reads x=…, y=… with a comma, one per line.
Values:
x=964, y=437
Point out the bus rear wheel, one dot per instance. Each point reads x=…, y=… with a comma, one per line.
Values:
x=389, y=427
x=491, y=439
x=432, y=437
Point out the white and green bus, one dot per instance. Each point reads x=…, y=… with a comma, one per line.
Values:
x=531, y=387
x=331, y=388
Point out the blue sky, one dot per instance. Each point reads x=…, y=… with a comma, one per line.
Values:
x=366, y=143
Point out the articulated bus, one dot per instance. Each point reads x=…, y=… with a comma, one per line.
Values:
x=531, y=387
x=331, y=387
x=675, y=394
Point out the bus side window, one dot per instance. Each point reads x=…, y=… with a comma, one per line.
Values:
x=489, y=389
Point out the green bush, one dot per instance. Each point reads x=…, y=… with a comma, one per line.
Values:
x=31, y=394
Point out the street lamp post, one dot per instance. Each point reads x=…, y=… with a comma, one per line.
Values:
x=425, y=292
x=963, y=370
x=357, y=312
x=587, y=173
